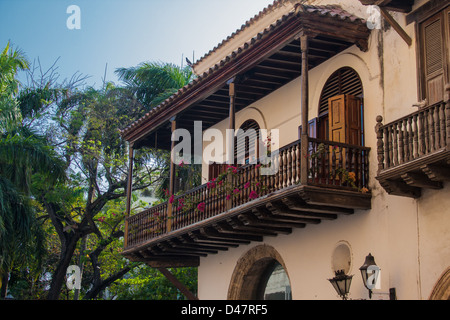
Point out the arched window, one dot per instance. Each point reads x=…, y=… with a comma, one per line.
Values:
x=246, y=148
x=246, y=143
x=275, y=283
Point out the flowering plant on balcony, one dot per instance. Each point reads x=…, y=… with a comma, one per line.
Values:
x=225, y=186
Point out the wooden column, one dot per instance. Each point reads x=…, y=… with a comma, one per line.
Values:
x=232, y=119
x=172, y=176
x=304, y=109
x=232, y=128
x=129, y=190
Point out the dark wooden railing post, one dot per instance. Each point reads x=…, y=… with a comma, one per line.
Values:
x=380, y=144
x=129, y=191
x=172, y=176
x=231, y=133
x=447, y=113
x=304, y=109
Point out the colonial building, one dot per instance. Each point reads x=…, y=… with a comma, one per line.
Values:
x=356, y=96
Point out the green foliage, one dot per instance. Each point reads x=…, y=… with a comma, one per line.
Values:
x=145, y=283
x=63, y=174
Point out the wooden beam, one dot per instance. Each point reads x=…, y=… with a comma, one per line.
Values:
x=420, y=180
x=386, y=15
x=400, y=188
x=179, y=285
x=436, y=173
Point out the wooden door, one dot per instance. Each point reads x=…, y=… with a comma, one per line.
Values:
x=337, y=118
x=345, y=119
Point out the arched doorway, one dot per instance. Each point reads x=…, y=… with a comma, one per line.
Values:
x=260, y=275
x=441, y=290
x=340, y=117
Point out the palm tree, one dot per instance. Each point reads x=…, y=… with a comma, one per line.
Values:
x=23, y=154
x=153, y=82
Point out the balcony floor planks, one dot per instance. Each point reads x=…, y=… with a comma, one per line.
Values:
x=273, y=214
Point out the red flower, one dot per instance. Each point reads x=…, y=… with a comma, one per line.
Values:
x=171, y=199
x=253, y=195
x=201, y=206
x=228, y=196
x=236, y=190
x=247, y=185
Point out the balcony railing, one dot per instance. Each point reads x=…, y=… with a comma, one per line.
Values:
x=413, y=136
x=330, y=164
x=414, y=151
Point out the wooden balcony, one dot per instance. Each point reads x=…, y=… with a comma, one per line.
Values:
x=242, y=205
x=414, y=151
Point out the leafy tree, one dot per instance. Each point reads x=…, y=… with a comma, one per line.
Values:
x=24, y=154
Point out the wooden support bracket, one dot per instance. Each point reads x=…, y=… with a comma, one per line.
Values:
x=180, y=286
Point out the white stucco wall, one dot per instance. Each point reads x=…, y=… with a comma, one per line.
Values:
x=410, y=239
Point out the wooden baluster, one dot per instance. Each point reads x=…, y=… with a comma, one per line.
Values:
x=390, y=146
x=280, y=171
x=400, y=142
x=442, y=124
x=380, y=144
x=362, y=165
x=431, y=126
x=290, y=166
x=312, y=162
x=294, y=164
x=405, y=140
x=396, y=146
x=422, y=145
x=427, y=131
x=285, y=168
x=326, y=166
x=416, y=138
x=432, y=130
x=411, y=139
x=437, y=124
x=341, y=163
x=333, y=165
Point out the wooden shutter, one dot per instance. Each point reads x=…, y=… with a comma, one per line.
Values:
x=345, y=119
x=336, y=109
x=434, y=34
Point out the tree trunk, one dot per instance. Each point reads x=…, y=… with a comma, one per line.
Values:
x=4, y=279
x=64, y=262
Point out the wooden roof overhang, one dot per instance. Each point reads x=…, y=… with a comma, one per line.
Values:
x=262, y=65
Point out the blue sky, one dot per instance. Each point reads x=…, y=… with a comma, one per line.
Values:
x=120, y=33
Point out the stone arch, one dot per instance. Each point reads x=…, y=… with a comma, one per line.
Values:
x=250, y=269
x=441, y=290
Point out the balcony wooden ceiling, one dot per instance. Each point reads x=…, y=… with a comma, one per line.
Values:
x=261, y=66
